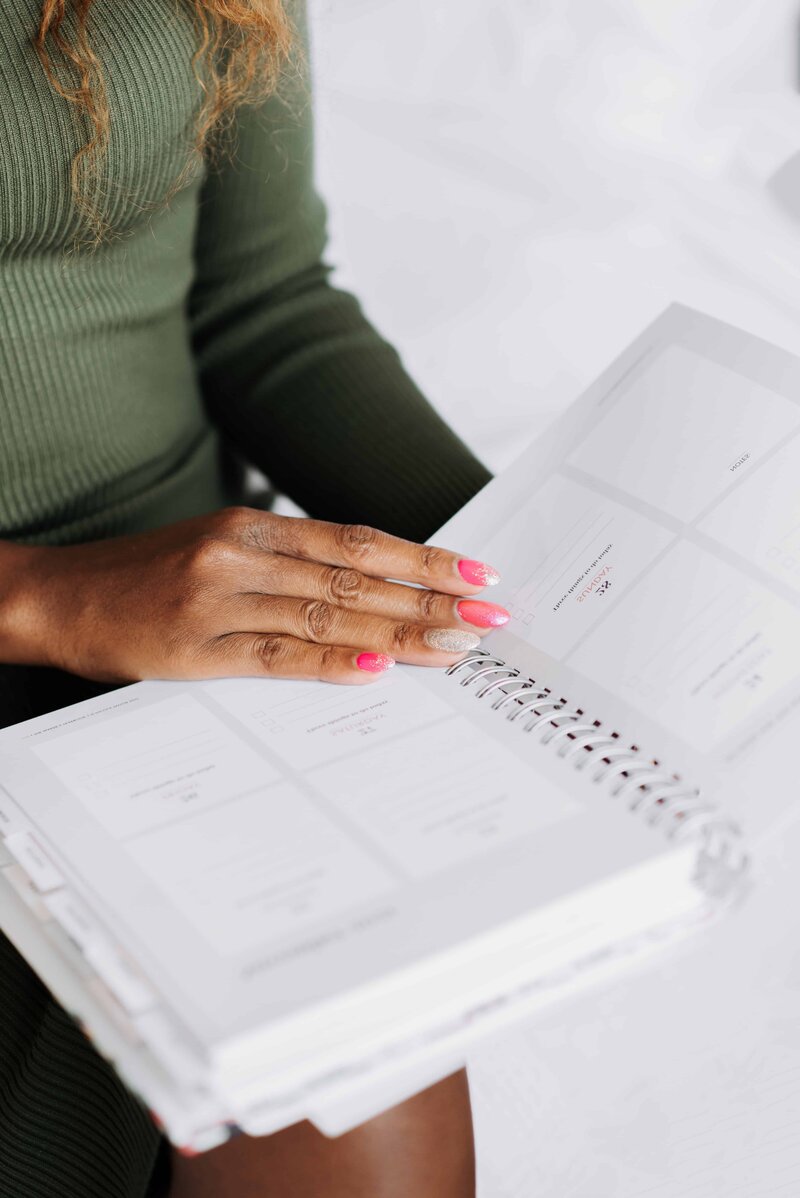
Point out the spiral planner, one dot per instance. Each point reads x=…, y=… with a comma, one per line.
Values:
x=270, y=900
x=644, y=785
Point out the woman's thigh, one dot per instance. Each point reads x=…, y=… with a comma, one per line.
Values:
x=422, y=1148
x=68, y=1126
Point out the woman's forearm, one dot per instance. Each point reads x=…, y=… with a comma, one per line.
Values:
x=22, y=632
x=291, y=369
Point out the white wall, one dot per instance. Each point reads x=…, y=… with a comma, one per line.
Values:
x=518, y=185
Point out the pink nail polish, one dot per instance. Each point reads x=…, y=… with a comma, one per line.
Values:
x=478, y=574
x=375, y=663
x=485, y=615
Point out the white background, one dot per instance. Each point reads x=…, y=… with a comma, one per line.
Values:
x=516, y=188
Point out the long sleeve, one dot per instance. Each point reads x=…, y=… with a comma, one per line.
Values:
x=292, y=372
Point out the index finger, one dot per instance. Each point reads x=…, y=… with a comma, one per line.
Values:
x=376, y=553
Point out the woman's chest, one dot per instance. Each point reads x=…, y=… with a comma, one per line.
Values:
x=144, y=49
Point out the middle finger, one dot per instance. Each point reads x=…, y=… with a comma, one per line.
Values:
x=355, y=591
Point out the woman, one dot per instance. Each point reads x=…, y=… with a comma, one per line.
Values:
x=165, y=317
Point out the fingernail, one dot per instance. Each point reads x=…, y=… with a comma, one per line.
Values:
x=375, y=663
x=485, y=615
x=478, y=574
x=450, y=640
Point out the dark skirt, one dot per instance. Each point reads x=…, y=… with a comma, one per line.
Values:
x=68, y=1126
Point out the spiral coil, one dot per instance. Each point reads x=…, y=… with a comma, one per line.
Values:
x=664, y=799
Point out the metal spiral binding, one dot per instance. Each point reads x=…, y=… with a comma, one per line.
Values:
x=645, y=786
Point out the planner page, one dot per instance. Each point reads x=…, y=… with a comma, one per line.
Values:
x=256, y=847
x=650, y=553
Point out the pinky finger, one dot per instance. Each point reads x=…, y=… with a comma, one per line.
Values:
x=259, y=655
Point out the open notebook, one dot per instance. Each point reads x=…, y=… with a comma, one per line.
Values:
x=272, y=900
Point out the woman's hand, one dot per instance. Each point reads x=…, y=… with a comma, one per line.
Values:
x=244, y=592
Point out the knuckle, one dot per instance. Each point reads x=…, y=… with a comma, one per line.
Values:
x=345, y=585
x=327, y=661
x=244, y=525
x=316, y=619
x=258, y=530
x=356, y=540
x=404, y=636
x=428, y=604
x=205, y=555
x=434, y=561
x=269, y=649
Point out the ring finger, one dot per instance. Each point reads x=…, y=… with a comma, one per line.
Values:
x=327, y=624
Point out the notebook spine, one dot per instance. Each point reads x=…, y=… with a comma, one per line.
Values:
x=647, y=788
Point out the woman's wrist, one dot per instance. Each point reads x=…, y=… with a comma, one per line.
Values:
x=23, y=632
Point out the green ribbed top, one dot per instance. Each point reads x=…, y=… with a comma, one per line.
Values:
x=133, y=381
x=208, y=324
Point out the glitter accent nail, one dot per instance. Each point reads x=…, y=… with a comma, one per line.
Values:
x=450, y=640
x=477, y=574
x=375, y=663
x=485, y=615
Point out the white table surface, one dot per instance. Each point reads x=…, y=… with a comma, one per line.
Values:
x=516, y=188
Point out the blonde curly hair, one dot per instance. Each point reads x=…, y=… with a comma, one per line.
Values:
x=242, y=47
